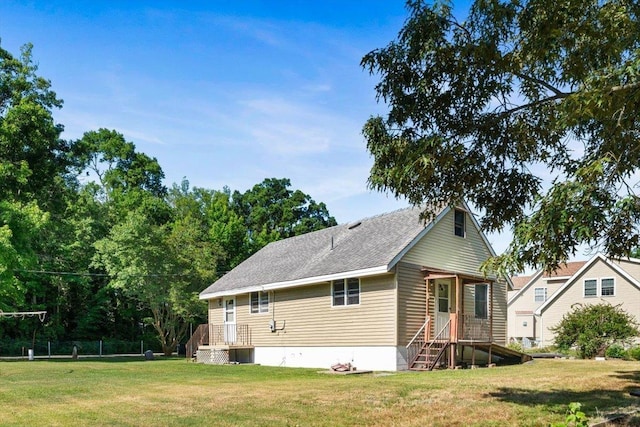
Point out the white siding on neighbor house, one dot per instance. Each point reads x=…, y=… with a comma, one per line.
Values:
x=522, y=306
x=626, y=294
x=630, y=266
x=442, y=249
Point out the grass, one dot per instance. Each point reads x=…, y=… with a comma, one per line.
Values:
x=175, y=392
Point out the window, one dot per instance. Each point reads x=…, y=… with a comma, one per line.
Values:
x=607, y=288
x=591, y=288
x=259, y=302
x=540, y=294
x=482, y=301
x=458, y=223
x=346, y=292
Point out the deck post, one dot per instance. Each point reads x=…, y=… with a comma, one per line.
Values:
x=490, y=316
x=459, y=292
x=427, y=332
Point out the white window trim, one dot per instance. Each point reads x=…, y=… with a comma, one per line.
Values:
x=614, y=287
x=584, y=288
x=464, y=223
x=262, y=309
x=346, y=293
x=544, y=288
x=487, y=301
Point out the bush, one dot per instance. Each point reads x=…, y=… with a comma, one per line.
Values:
x=634, y=353
x=515, y=345
x=593, y=328
x=616, y=351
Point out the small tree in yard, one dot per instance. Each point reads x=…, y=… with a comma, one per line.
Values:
x=593, y=328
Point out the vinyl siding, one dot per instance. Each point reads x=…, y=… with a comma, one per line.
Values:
x=499, y=303
x=525, y=301
x=625, y=293
x=312, y=321
x=411, y=301
x=441, y=249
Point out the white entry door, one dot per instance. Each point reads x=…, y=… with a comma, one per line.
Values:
x=443, y=303
x=230, y=320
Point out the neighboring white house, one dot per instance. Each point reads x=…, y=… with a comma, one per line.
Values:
x=543, y=300
x=364, y=293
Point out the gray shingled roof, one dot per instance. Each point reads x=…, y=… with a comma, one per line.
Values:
x=375, y=242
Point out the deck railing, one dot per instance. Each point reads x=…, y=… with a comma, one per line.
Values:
x=199, y=337
x=474, y=329
x=417, y=343
x=229, y=334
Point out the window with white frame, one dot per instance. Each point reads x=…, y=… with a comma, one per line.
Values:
x=482, y=301
x=540, y=294
x=590, y=288
x=345, y=292
x=259, y=302
x=459, y=223
x=607, y=287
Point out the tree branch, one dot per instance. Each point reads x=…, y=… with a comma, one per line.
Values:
x=553, y=89
x=624, y=87
x=562, y=95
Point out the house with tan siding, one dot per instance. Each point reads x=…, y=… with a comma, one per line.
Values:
x=542, y=302
x=389, y=292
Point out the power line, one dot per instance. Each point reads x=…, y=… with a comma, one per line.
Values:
x=70, y=273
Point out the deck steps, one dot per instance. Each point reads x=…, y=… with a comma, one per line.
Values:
x=430, y=356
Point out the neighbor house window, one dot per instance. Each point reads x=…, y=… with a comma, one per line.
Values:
x=259, y=302
x=482, y=301
x=591, y=288
x=607, y=288
x=346, y=292
x=459, y=223
x=540, y=294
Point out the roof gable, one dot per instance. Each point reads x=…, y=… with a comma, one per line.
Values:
x=598, y=257
x=368, y=246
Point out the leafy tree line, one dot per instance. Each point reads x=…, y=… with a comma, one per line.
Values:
x=89, y=232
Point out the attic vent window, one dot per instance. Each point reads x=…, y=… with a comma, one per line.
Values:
x=459, y=226
x=354, y=225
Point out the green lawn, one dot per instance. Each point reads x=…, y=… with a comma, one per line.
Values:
x=176, y=392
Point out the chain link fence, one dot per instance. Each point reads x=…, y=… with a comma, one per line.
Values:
x=108, y=347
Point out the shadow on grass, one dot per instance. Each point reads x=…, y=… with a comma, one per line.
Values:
x=557, y=400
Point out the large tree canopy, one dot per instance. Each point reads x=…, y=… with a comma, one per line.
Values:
x=526, y=109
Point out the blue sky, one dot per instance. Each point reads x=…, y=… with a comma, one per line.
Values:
x=222, y=93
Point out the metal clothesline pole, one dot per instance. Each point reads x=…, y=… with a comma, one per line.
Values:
x=23, y=314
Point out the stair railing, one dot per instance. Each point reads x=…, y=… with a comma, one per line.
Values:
x=443, y=337
x=417, y=342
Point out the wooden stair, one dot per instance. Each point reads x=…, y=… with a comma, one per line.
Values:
x=430, y=356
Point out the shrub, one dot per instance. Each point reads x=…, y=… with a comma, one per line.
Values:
x=515, y=345
x=593, y=328
x=616, y=351
x=634, y=352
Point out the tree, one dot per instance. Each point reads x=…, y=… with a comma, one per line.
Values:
x=19, y=224
x=33, y=159
x=483, y=109
x=272, y=211
x=163, y=267
x=117, y=164
x=593, y=328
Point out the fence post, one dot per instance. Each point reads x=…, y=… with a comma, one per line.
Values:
x=100, y=348
x=49, y=348
x=141, y=346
